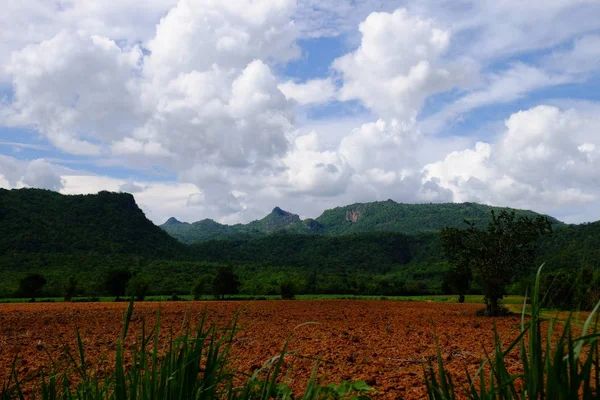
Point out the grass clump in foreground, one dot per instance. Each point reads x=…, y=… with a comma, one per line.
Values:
x=194, y=365
x=566, y=368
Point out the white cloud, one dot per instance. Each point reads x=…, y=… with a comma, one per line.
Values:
x=74, y=90
x=40, y=174
x=510, y=27
x=11, y=171
x=37, y=173
x=315, y=172
x=545, y=159
x=131, y=187
x=582, y=57
x=132, y=146
x=210, y=98
x=381, y=144
x=506, y=86
x=228, y=34
x=397, y=66
x=314, y=91
x=29, y=22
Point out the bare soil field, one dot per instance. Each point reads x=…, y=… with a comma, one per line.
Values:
x=384, y=343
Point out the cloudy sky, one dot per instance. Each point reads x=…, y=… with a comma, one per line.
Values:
x=225, y=109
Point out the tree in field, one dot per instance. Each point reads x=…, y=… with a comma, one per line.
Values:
x=116, y=282
x=496, y=256
x=226, y=282
x=139, y=286
x=31, y=285
x=200, y=286
x=70, y=288
x=287, y=290
x=454, y=245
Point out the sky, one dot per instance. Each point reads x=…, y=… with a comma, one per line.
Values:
x=226, y=109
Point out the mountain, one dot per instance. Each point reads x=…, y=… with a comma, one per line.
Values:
x=207, y=229
x=42, y=221
x=382, y=216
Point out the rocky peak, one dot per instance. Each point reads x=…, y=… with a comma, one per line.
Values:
x=173, y=221
x=280, y=213
x=354, y=214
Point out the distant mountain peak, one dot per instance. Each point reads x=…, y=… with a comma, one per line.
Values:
x=279, y=212
x=173, y=220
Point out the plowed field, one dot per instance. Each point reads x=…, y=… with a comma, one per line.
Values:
x=381, y=342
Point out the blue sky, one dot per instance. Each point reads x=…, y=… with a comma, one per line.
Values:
x=225, y=110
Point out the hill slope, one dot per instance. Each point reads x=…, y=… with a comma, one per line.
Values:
x=383, y=216
x=42, y=221
x=572, y=247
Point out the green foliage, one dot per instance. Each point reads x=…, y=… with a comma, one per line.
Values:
x=194, y=365
x=287, y=290
x=564, y=368
x=226, y=282
x=41, y=221
x=31, y=285
x=70, y=288
x=497, y=255
x=138, y=286
x=201, y=286
x=376, y=251
x=116, y=282
x=571, y=289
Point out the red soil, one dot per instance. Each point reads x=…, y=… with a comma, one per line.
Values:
x=384, y=343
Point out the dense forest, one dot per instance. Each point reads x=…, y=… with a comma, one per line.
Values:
x=381, y=248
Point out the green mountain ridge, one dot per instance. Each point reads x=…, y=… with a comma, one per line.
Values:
x=382, y=216
x=43, y=221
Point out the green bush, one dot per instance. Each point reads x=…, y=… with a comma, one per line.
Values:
x=138, y=287
x=287, y=290
x=70, y=287
x=31, y=286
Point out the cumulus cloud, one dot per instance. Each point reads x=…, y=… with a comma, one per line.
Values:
x=315, y=172
x=381, y=144
x=11, y=171
x=397, y=64
x=40, y=174
x=314, y=91
x=545, y=158
x=131, y=187
x=37, y=173
x=210, y=98
x=75, y=90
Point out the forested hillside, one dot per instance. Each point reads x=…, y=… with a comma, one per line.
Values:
x=88, y=236
x=42, y=221
x=572, y=246
x=382, y=216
